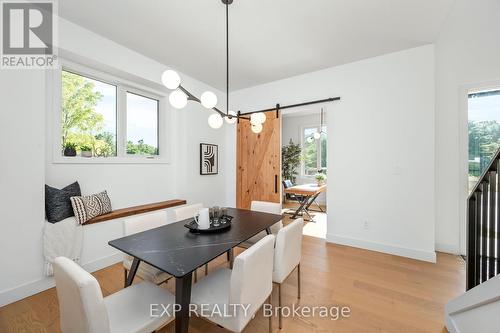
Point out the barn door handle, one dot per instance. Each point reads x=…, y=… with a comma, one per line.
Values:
x=275, y=183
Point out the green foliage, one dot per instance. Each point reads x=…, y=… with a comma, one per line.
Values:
x=320, y=177
x=290, y=155
x=140, y=148
x=70, y=145
x=310, y=156
x=484, y=140
x=81, y=125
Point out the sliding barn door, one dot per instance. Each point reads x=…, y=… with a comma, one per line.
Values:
x=258, y=175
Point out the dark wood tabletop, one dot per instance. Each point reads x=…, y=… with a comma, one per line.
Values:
x=172, y=248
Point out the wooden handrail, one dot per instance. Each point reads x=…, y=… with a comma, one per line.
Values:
x=129, y=211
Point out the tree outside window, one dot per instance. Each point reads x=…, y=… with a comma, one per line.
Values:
x=314, y=151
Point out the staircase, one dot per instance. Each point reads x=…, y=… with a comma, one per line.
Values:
x=483, y=226
x=478, y=310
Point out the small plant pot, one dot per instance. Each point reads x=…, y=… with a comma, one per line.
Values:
x=69, y=152
x=86, y=153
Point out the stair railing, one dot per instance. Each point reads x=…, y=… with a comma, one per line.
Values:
x=483, y=226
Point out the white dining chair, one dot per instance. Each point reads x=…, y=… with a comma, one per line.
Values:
x=287, y=254
x=83, y=309
x=136, y=224
x=187, y=212
x=248, y=283
x=264, y=207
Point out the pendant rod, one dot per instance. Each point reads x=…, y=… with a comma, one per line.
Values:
x=331, y=99
x=227, y=57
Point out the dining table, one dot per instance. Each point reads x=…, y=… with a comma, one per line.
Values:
x=176, y=250
x=307, y=194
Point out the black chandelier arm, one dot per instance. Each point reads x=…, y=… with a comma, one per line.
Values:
x=326, y=100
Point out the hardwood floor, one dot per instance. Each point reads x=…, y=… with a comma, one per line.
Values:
x=385, y=294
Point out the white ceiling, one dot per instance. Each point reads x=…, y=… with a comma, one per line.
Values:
x=270, y=40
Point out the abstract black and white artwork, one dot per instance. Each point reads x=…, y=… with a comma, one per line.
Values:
x=209, y=159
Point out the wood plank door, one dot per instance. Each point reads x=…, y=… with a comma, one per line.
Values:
x=258, y=174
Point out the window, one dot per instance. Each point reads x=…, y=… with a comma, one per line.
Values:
x=484, y=131
x=142, y=125
x=105, y=119
x=88, y=118
x=314, y=151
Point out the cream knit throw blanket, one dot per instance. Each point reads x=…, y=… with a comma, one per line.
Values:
x=64, y=238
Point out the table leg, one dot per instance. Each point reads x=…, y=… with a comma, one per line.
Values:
x=310, y=201
x=131, y=273
x=182, y=298
x=304, y=202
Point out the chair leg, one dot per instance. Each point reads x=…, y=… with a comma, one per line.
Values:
x=196, y=275
x=125, y=276
x=298, y=280
x=206, y=269
x=280, y=317
x=269, y=300
x=231, y=258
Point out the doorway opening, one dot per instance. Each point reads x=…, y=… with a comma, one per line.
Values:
x=304, y=167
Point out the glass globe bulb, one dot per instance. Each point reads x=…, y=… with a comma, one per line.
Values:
x=215, y=121
x=233, y=119
x=257, y=128
x=255, y=119
x=171, y=79
x=177, y=99
x=317, y=135
x=262, y=117
x=208, y=99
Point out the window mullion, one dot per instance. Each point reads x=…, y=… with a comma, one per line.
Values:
x=121, y=121
x=318, y=152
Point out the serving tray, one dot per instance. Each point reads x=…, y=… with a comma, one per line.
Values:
x=193, y=226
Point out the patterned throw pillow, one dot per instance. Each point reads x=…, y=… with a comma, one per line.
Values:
x=90, y=206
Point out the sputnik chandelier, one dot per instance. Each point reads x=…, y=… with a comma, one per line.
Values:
x=180, y=96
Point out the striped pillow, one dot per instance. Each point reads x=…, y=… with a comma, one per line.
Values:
x=90, y=206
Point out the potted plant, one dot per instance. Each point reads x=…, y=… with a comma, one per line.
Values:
x=290, y=155
x=69, y=149
x=320, y=178
x=86, y=151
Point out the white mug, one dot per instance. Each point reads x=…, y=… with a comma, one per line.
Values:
x=203, y=219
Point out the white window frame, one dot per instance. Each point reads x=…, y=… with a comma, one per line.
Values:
x=122, y=87
x=318, y=149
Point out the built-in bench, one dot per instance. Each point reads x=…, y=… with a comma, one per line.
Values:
x=123, y=212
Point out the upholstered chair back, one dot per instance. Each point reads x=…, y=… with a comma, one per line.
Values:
x=288, y=250
x=140, y=223
x=187, y=212
x=251, y=278
x=271, y=208
x=81, y=305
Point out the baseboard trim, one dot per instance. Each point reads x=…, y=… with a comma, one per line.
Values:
x=447, y=248
x=428, y=256
x=34, y=287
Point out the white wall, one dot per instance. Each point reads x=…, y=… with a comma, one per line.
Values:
x=27, y=161
x=291, y=128
x=380, y=147
x=467, y=56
